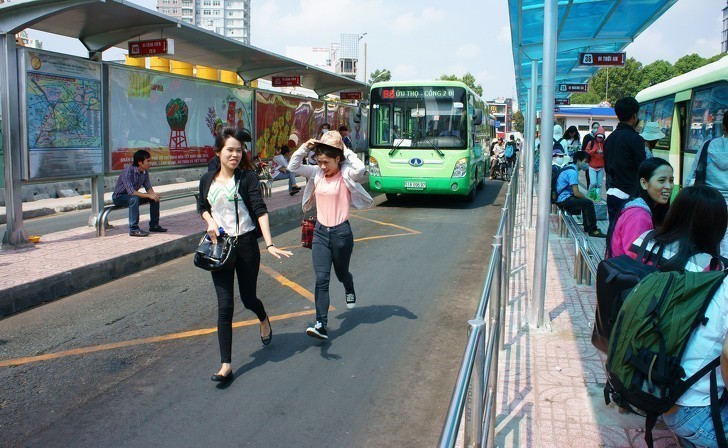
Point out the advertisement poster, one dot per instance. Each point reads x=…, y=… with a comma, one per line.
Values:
x=2, y=153
x=172, y=117
x=339, y=114
x=278, y=116
x=64, y=116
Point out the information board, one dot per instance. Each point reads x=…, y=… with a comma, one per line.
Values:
x=172, y=117
x=63, y=122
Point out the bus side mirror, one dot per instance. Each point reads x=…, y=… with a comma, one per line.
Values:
x=357, y=115
x=478, y=117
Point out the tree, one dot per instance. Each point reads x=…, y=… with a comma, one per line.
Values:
x=380, y=76
x=518, y=121
x=689, y=62
x=622, y=82
x=468, y=79
x=657, y=72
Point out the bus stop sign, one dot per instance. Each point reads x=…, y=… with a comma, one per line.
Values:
x=603, y=59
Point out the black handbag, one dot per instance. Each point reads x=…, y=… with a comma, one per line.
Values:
x=215, y=257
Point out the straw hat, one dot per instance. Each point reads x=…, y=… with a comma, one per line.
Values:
x=652, y=131
x=333, y=139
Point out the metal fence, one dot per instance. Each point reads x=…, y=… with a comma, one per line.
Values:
x=474, y=396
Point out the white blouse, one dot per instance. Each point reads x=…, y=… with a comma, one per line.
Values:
x=222, y=201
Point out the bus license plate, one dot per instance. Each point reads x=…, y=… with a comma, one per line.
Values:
x=415, y=185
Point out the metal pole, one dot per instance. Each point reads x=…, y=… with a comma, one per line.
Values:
x=98, y=181
x=544, y=177
x=365, y=62
x=495, y=306
x=15, y=234
x=476, y=391
x=532, y=102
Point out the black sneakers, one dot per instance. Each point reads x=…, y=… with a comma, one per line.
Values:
x=317, y=331
x=138, y=232
x=597, y=234
x=158, y=229
x=350, y=300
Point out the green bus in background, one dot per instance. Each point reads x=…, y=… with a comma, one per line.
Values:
x=427, y=138
x=690, y=109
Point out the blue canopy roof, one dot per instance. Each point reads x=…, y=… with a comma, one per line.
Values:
x=583, y=26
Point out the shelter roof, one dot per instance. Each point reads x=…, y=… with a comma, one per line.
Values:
x=583, y=26
x=102, y=24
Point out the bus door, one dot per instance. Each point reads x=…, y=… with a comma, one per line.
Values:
x=679, y=139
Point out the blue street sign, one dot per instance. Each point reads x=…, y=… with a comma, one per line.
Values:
x=497, y=123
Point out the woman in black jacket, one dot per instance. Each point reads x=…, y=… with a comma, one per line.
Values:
x=218, y=190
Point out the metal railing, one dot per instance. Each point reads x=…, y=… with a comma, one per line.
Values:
x=477, y=382
x=586, y=256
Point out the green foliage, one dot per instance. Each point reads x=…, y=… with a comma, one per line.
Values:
x=518, y=121
x=689, y=62
x=380, y=76
x=468, y=79
x=657, y=72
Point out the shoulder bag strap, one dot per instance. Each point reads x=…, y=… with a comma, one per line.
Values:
x=237, y=218
x=700, y=171
x=643, y=248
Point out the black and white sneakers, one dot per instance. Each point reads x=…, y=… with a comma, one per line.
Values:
x=317, y=331
x=350, y=300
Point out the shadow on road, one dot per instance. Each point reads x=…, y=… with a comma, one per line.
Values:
x=286, y=345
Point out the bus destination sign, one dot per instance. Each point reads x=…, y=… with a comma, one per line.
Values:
x=603, y=59
x=396, y=93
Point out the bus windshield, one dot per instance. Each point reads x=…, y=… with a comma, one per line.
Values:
x=419, y=117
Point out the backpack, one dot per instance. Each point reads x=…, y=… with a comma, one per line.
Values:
x=616, y=277
x=555, y=173
x=510, y=150
x=702, y=165
x=558, y=145
x=648, y=341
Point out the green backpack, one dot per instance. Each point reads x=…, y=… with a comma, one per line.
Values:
x=648, y=340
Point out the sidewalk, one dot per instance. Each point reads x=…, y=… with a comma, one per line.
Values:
x=74, y=260
x=551, y=378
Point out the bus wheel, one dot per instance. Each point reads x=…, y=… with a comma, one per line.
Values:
x=481, y=184
x=391, y=196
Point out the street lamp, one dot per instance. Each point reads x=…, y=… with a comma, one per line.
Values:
x=365, y=57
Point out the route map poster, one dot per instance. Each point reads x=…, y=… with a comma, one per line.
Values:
x=172, y=117
x=64, y=115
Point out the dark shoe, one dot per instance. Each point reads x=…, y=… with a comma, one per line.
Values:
x=158, y=229
x=292, y=192
x=597, y=234
x=222, y=378
x=266, y=339
x=138, y=233
x=350, y=300
x=317, y=331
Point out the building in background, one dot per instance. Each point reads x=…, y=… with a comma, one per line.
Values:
x=230, y=18
x=724, y=47
x=23, y=40
x=502, y=110
x=583, y=115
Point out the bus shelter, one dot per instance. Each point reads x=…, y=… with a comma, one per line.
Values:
x=100, y=25
x=565, y=39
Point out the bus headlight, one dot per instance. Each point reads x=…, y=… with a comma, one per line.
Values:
x=461, y=168
x=374, y=167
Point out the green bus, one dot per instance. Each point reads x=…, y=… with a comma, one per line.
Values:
x=690, y=110
x=426, y=138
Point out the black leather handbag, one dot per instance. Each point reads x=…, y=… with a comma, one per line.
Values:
x=215, y=257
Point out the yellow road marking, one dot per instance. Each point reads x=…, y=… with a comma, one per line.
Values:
x=286, y=282
x=412, y=231
x=134, y=342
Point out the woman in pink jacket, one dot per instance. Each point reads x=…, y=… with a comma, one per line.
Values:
x=645, y=211
x=595, y=149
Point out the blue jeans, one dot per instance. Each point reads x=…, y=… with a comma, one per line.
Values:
x=126, y=200
x=331, y=245
x=695, y=425
x=287, y=175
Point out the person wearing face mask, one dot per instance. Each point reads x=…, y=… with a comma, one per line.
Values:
x=571, y=199
x=643, y=211
x=624, y=152
x=590, y=136
x=595, y=149
x=333, y=186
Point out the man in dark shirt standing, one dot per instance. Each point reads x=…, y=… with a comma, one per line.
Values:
x=127, y=194
x=624, y=152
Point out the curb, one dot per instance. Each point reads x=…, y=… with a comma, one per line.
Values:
x=21, y=297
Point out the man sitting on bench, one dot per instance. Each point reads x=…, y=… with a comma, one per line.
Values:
x=572, y=200
x=127, y=194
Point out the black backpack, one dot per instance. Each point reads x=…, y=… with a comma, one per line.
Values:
x=558, y=145
x=616, y=277
x=555, y=173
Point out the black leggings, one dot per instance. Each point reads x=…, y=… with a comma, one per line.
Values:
x=247, y=265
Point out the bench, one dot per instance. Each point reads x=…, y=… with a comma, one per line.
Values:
x=102, y=220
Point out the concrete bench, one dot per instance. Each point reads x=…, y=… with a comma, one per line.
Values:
x=102, y=220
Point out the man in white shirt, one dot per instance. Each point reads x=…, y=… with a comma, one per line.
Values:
x=281, y=171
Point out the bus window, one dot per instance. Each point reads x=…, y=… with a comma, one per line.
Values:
x=645, y=114
x=664, y=110
x=706, y=115
x=381, y=130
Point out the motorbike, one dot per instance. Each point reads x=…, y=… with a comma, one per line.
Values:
x=501, y=170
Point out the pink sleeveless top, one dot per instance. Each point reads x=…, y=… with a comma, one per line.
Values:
x=332, y=200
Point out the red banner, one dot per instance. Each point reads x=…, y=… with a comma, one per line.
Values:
x=350, y=95
x=141, y=48
x=603, y=59
x=286, y=81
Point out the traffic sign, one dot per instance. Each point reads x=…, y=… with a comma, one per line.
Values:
x=603, y=59
x=350, y=95
x=497, y=123
x=562, y=101
x=569, y=88
x=286, y=81
x=141, y=48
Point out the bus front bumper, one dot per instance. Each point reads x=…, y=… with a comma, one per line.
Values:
x=409, y=185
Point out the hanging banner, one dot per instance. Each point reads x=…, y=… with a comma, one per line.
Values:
x=603, y=59
x=172, y=117
x=286, y=81
x=141, y=48
x=570, y=88
x=64, y=114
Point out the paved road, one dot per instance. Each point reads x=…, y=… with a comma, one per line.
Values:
x=384, y=378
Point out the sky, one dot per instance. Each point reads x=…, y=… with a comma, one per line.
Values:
x=424, y=39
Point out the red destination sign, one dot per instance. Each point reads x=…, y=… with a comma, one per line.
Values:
x=286, y=81
x=570, y=88
x=562, y=101
x=141, y=48
x=603, y=59
x=350, y=95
